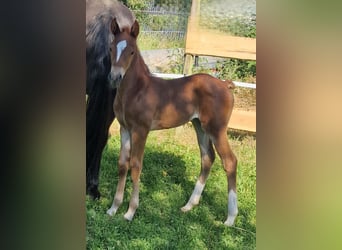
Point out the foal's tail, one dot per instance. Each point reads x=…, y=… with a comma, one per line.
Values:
x=230, y=84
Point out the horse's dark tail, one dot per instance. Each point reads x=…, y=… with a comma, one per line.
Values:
x=100, y=115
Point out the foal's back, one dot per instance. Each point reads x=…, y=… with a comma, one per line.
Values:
x=197, y=96
x=194, y=86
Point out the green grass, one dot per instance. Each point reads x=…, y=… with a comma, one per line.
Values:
x=171, y=167
x=151, y=42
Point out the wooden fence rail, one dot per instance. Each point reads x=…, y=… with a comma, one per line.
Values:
x=204, y=42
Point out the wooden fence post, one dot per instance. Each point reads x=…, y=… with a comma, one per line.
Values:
x=188, y=63
x=193, y=23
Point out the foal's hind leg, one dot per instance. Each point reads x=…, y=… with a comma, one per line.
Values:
x=207, y=160
x=123, y=168
x=229, y=162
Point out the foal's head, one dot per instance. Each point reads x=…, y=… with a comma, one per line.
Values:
x=122, y=50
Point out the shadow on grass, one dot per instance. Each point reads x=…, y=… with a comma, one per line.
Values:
x=240, y=134
x=166, y=186
x=158, y=167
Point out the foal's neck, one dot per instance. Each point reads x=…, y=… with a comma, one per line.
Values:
x=141, y=66
x=137, y=75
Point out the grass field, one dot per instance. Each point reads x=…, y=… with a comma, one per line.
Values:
x=171, y=167
x=146, y=42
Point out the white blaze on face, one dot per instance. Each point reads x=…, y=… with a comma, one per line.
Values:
x=119, y=48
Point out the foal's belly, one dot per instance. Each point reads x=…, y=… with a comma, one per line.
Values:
x=172, y=120
x=158, y=124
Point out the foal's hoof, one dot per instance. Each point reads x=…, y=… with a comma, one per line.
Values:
x=93, y=192
x=230, y=221
x=186, y=208
x=128, y=216
x=111, y=211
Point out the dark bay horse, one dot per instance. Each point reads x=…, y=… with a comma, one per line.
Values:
x=145, y=103
x=100, y=114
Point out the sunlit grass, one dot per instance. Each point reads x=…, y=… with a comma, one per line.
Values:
x=171, y=167
x=149, y=42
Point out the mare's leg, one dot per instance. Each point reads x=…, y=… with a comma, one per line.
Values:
x=207, y=160
x=123, y=168
x=229, y=162
x=137, y=152
x=100, y=115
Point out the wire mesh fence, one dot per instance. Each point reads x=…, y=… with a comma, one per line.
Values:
x=167, y=19
x=162, y=22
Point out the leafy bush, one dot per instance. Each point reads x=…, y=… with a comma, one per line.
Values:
x=236, y=69
x=137, y=4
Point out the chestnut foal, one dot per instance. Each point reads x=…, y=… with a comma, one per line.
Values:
x=145, y=103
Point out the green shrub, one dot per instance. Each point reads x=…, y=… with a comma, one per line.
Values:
x=236, y=69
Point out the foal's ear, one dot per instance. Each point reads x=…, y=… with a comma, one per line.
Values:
x=114, y=27
x=135, y=29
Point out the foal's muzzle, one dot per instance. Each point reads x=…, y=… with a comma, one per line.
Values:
x=115, y=76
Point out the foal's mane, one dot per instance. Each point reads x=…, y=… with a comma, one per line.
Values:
x=142, y=63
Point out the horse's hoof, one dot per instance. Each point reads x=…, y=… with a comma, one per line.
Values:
x=186, y=208
x=111, y=211
x=230, y=221
x=93, y=192
x=129, y=216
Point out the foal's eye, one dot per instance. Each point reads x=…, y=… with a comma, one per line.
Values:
x=110, y=49
x=132, y=53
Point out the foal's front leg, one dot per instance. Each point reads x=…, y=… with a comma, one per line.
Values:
x=123, y=168
x=137, y=152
